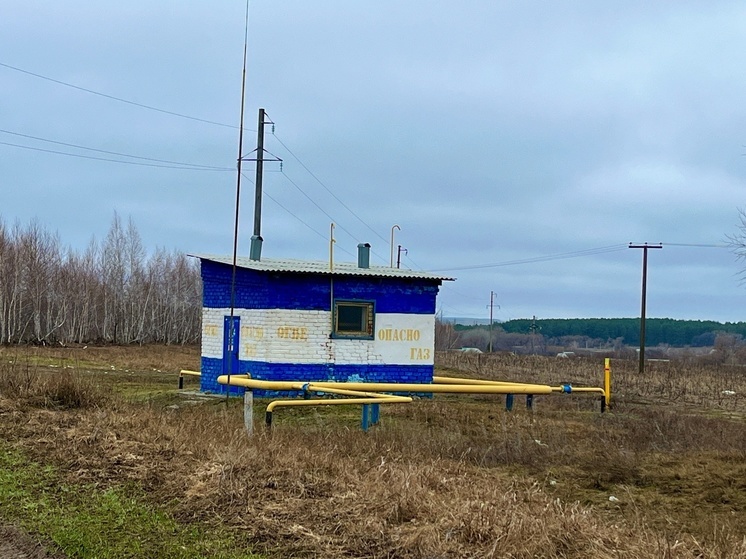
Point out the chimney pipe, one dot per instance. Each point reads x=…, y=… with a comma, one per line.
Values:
x=363, y=255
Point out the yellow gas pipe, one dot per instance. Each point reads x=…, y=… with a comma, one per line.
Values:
x=365, y=392
x=368, y=392
x=188, y=373
x=564, y=388
x=508, y=388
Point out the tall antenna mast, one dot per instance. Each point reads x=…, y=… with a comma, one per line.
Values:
x=232, y=349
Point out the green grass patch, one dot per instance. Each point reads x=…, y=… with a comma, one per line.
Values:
x=84, y=521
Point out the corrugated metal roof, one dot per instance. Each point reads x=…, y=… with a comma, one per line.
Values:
x=319, y=267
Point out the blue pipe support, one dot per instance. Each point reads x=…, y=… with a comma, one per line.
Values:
x=530, y=401
x=364, y=420
x=509, y=402
x=375, y=413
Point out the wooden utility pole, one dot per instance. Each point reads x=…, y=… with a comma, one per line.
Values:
x=492, y=303
x=644, y=248
x=533, y=328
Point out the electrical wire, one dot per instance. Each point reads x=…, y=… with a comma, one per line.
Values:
x=180, y=163
x=81, y=156
x=447, y=287
x=318, y=180
x=114, y=98
x=327, y=214
x=268, y=195
x=694, y=245
x=546, y=258
x=181, y=115
x=414, y=264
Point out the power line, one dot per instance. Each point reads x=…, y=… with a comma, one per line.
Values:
x=291, y=181
x=81, y=156
x=296, y=216
x=546, y=258
x=318, y=180
x=180, y=115
x=114, y=98
x=194, y=165
x=446, y=287
x=416, y=266
x=694, y=245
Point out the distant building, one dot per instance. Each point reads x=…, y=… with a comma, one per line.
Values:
x=301, y=320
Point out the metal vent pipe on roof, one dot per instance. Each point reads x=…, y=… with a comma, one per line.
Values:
x=363, y=255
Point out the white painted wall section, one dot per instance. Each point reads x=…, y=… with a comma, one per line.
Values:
x=295, y=336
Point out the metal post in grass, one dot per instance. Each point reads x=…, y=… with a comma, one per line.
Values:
x=248, y=410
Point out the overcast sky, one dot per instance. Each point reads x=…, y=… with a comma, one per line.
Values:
x=520, y=146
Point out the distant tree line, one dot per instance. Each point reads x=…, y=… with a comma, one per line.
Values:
x=616, y=334
x=693, y=333
x=112, y=292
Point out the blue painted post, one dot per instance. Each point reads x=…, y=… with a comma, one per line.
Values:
x=530, y=401
x=508, y=402
x=374, y=414
x=364, y=420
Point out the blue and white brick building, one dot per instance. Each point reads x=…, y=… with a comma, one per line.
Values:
x=301, y=320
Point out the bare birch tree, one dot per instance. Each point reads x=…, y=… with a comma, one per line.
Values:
x=110, y=293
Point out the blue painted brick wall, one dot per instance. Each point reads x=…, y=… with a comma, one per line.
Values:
x=272, y=290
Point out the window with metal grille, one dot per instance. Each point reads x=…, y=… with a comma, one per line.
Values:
x=353, y=319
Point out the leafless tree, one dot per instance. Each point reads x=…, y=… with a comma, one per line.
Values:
x=737, y=240
x=446, y=336
x=110, y=293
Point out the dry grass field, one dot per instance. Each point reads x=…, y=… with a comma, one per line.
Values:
x=662, y=474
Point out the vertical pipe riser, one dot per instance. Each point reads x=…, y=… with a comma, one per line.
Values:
x=607, y=384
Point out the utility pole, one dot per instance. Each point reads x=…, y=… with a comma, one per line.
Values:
x=533, y=328
x=255, y=252
x=492, y=302
x=644, y=248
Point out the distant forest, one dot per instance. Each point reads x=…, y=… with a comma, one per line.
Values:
x=658, y=331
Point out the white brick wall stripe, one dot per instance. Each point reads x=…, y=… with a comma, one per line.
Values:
x=303, y=337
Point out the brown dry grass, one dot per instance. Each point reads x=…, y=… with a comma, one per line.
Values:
x=447, y=477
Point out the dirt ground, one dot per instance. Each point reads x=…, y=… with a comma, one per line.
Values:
x=16, y=544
